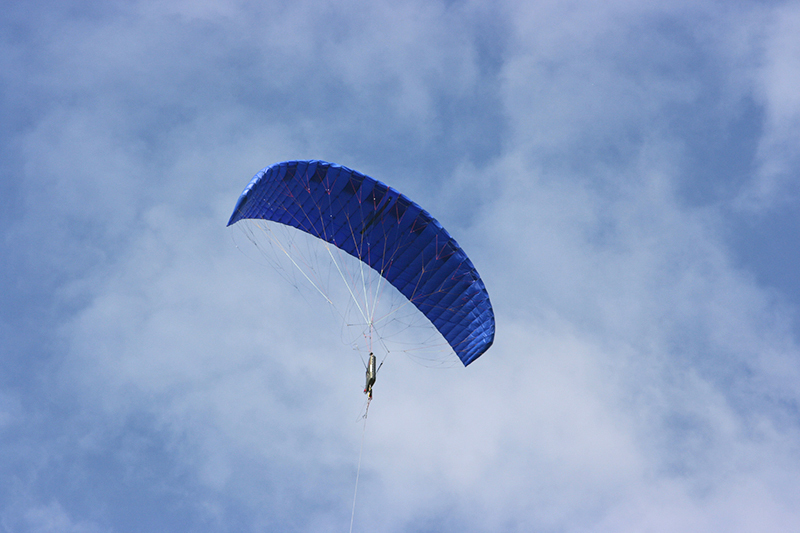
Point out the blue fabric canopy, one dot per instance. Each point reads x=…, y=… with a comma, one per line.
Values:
x=386, y=230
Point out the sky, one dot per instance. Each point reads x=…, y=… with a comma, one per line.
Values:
x=623, y=174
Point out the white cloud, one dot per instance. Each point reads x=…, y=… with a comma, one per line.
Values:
x=639, y=380
x=776, y=79
x=53, y=518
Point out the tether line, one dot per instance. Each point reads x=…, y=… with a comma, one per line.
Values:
x=358, y=471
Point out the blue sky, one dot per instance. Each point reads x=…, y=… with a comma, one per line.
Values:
x=624, y=176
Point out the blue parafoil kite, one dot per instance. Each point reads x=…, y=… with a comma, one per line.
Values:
x=385, y=230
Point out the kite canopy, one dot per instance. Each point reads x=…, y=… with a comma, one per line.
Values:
x=386, y=230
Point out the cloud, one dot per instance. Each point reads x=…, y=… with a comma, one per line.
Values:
x=157, y=378
x=777, y=151
x=51, y=518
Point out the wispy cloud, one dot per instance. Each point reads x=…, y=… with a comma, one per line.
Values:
x=597, y=163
